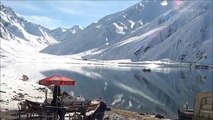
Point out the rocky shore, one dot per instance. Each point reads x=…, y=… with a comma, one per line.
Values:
x=118, y=114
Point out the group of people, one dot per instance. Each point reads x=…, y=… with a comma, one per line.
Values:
x=57, y=102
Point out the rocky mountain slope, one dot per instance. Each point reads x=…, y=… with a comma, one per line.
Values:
x=62, y=34
x=183, y=35
x=110, y=28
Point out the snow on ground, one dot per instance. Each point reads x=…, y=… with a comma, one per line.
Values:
x=15, y=90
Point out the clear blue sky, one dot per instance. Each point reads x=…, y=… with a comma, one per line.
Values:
x=66, y=13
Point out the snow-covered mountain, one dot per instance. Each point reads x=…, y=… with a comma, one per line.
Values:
x=145, y=31
x=181, y=31
x=19, y=36
x=62, y=34
x=182, y=34
x=22, y=38
x=23, y=29
x=110, y=28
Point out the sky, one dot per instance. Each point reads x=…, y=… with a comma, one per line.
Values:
x=66, y=13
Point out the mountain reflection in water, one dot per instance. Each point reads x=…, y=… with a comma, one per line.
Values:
x=162, y=90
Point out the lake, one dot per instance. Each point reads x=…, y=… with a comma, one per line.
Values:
x=163, y=90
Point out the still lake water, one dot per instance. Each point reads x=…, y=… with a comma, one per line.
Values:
x=163, y=90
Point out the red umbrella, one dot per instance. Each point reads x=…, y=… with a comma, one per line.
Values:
x=57, y=80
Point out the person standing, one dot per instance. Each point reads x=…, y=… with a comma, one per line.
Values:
x=99, y=113
x=57, y=102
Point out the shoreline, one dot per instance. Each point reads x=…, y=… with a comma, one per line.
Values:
x=14, y=89
x=114, y=114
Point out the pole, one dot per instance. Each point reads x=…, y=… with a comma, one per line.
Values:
x=45, y=94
